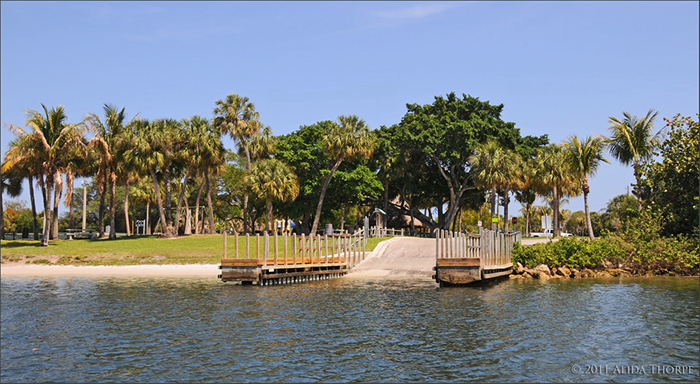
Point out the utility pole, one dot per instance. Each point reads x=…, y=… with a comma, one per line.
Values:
x=84, y=201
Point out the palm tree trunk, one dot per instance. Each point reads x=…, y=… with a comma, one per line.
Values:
x=112, y=210
x=126, y=207
x=168, y=202
x=317, y=217
x=57, y=192
x=527, y=220
x=101, y=220
x=212, y=225
x=638, y=188
x=555, y=210
x=269, y=215
x=506, y=200
x=493, y=207
x=180, y=200
x=245, y=195
x=47, y=187
x=196, y=208
x=2, y=217
x=159, y=200
x=148, y=218
x=35, y=227
x=589, y=224
x=71, y=211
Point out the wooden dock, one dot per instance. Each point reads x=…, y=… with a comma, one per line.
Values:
x=296, y=259
x=466, y=258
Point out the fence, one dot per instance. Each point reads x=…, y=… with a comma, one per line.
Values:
x=491, y=247
x=301, y=250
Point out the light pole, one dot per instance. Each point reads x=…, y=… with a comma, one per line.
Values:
x=84, y=201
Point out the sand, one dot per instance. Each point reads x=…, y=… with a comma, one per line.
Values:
x=194, y=270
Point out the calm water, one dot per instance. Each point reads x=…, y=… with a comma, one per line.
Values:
x=348, y=330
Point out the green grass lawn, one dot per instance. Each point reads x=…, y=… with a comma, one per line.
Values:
x=138, y=250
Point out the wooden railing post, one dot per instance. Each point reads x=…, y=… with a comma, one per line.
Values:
x=294, y=248
x=225, y=245
x=266, y=247
x=235, y=239
x=275, y=236
x=247, y=245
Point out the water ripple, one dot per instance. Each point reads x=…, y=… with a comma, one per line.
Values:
x=344, y=330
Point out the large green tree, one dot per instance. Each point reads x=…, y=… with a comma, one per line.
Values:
x=447, y=132
x=583, y=158
x=671, y=185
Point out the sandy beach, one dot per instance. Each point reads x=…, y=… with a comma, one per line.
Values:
x=194, y=270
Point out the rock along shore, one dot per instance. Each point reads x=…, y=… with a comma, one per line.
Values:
x=543, y=272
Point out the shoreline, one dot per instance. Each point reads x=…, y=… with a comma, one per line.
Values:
x=146, y=270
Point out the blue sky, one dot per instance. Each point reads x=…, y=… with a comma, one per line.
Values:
x=560, y=68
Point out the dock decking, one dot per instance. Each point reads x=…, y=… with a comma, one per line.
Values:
x=311, y=258
x=466, y=258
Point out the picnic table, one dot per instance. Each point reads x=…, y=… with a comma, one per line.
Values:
x=79, y=233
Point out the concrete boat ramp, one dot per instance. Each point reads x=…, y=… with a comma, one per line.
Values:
x=400, y=256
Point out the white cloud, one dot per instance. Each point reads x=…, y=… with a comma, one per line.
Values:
x=418, y=11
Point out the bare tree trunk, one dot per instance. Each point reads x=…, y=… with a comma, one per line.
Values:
x=317, y=217
x=35, y=226
x=212, y=224
x=126, y=208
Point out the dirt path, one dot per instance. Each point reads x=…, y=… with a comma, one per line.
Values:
x=400, y=256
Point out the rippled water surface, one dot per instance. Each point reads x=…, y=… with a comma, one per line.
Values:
x=348, y=330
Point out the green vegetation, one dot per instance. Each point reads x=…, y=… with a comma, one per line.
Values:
x=657, y=232
x=136, y=250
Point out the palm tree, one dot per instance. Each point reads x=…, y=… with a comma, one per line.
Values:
x=527, y=195
x=151, y=150
x=26, y=167
x=512, y=170
x=349, y=138
x=236, y=116
x=272, y=180
x=489, y=164
x=109, y=141
x=583, y=158
x=631, y=141
x=555, y=177
x=11, y=185
x=203, y=148
x=50, y=143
